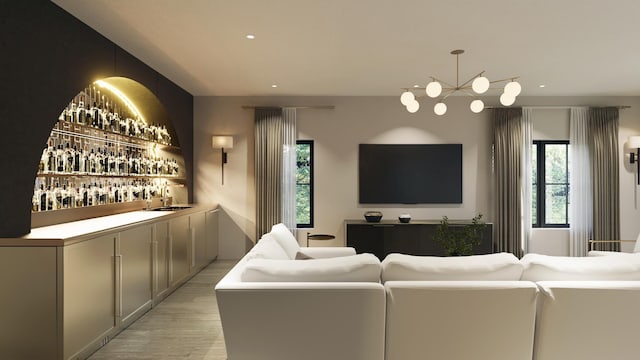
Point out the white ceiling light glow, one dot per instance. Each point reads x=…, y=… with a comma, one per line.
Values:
x=476, y=85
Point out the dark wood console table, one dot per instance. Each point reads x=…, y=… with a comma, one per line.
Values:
x=413, y=238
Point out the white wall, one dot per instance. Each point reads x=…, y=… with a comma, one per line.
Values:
x=337, y=134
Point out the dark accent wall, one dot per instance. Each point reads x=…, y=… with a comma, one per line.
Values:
x=46, y=57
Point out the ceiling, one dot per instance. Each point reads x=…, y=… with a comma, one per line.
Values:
x=376, y=47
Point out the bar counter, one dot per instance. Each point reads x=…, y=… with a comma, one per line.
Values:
x=77, y=231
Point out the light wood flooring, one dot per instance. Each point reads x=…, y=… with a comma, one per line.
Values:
x=186, y=325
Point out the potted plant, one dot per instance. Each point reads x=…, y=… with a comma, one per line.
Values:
x=459, y=239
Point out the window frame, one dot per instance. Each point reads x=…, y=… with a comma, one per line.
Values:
x=311, y=184
x=540, y=184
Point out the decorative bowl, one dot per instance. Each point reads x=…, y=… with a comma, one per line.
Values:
x=404, y=218
x=373, y=216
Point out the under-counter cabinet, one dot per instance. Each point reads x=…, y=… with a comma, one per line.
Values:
x=89, y=298
x=64, y=299
x=180, y=249
x=211, y=232
x=134, y=273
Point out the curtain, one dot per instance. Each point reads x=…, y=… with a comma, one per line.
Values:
x=580, y=208
x=508, y=142
x=269, y=138
x=605, y=187
x=289, y=168
x=527, y=173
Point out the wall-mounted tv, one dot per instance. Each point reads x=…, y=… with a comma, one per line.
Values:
x=410, y=173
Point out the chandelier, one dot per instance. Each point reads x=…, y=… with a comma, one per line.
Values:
x=477, y=85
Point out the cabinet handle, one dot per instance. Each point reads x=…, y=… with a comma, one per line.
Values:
x=154, y=252
x=170, y=259
x=193, y=247
x=119, y=257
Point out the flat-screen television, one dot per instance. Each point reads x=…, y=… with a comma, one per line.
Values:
x=410, y=174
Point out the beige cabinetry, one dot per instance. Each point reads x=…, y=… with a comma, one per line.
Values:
x=134, y=255
x=160, y=260
x=180, y=249
x=198, y=240
x=88, y=294
x=66, y=300
x=211, y=235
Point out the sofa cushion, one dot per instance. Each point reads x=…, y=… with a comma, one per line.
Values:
x=286, y=239
x=361, y=268
x=502, y=266
x=544, y=267
x=267, y=248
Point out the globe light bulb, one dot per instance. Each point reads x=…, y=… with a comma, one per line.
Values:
x=512, y=88
x=407, y=97
x=507, y=100
x=480, y=85
x=413, y=106
x=477, y=106
x=434, y=89
x=440, y=108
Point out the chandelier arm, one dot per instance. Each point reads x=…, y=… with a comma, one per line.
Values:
x=446, y=83
x=505, y=79
x=473, y=78
x=447, y=95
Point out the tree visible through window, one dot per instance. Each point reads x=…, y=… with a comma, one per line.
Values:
x=304, y=183
x=551, y=164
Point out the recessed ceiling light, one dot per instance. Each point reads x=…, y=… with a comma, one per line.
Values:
x=542, y=85
x=251, y=36
x=416, y=86
x=274, y=86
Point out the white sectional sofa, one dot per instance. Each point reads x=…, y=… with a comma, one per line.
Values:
x=344, y=306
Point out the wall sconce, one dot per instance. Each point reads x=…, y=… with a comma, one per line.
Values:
x=222, y=142
x=634, y=145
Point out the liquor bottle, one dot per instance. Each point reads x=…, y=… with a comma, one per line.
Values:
x=73, y=112
x=57, y=197
x=102, y=193
x=77, y=159
x=81, y=112
x=113, y=163
x=60, y=159
x=69, y=158
x=49, y=198
x=93, y=167
x=64, y=197
x=84, y=195
x=35, y=201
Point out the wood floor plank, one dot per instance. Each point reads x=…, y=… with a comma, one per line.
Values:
x=186, y=325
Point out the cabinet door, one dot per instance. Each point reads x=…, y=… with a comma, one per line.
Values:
x=135, y=271
x=198, y=245
x=211, y=221
x=89, y=293
x=161, y=258
x=367, y=238
x=180, y=245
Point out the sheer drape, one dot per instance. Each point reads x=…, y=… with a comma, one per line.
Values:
x=605, y=187
x=580, y=179
x=508, y=142
x=289, y=168
x=527, y=180
x=269, y=138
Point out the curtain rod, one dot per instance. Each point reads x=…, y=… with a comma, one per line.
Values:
x=621, y=107
x=329, y=107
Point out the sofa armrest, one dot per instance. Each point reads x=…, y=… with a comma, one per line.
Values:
x=286, y=320
x=327, y=252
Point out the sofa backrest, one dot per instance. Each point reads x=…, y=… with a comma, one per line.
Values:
x=502, y=266
x=460, y=320
x=354, y=268
x=587, y=320
x=551, y=268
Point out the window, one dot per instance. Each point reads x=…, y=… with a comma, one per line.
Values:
x=550, y=178
x=304, y=183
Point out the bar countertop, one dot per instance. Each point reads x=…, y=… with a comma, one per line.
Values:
x=81, y=230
